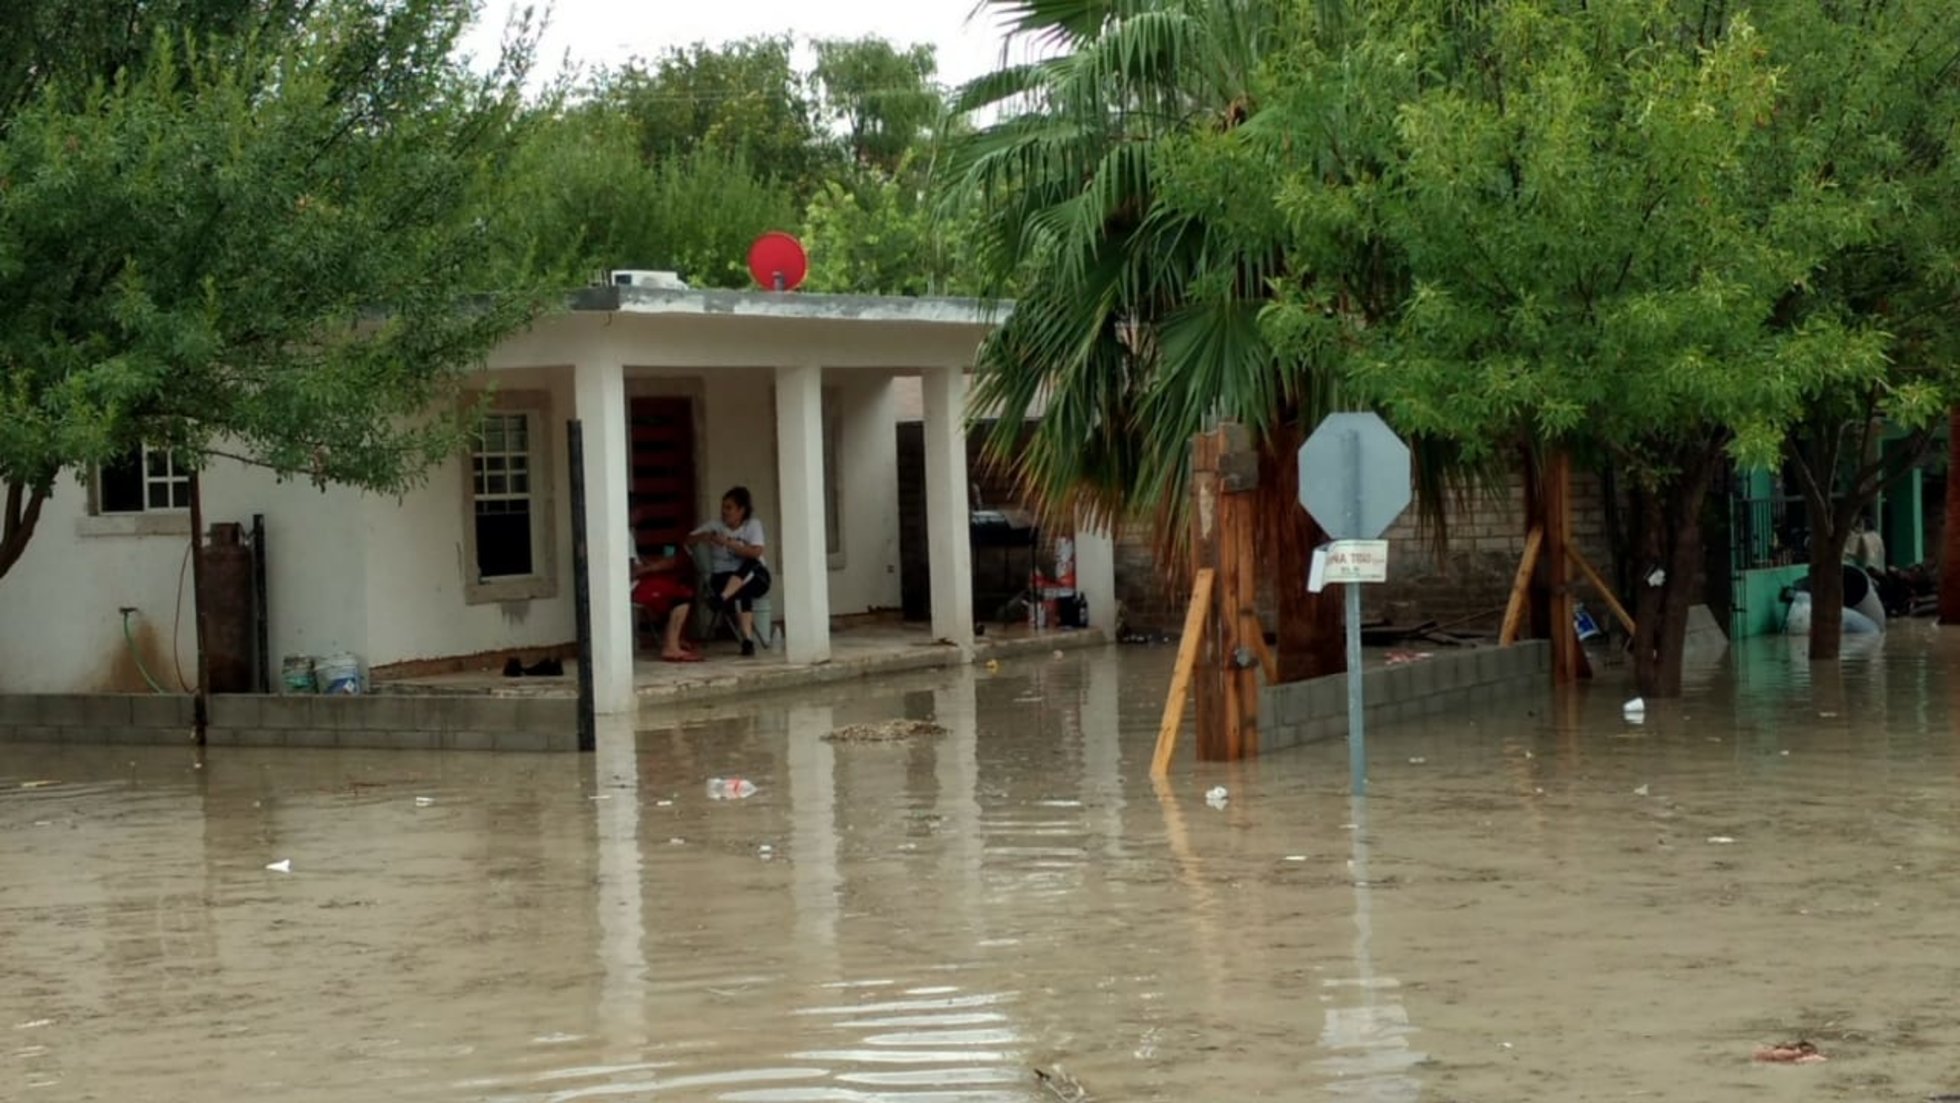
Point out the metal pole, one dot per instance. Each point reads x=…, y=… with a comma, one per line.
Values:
x=201, y=704
x=588, y=724
x=1357, y=745
x=1357, y=750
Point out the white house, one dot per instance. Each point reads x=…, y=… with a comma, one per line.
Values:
x=681, y=395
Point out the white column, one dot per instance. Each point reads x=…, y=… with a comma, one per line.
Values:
x=600, y=394
x=948, y=522
x=802, y=571
x=1095, y=574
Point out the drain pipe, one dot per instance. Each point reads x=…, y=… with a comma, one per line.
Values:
x=130, y=639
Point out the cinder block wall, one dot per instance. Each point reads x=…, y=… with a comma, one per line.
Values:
x=1316, y=710
x=1472, y=578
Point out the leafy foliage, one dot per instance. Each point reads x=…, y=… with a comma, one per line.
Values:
x=269, y=245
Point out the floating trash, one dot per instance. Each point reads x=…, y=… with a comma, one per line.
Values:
x=730, y=788
x=283, y=865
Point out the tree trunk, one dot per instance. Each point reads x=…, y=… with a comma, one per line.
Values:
x=1949, y=525
x=1826, y=589
x=1671, y=540
x=1829, y=531
x=1309, y=625
x=23, y=514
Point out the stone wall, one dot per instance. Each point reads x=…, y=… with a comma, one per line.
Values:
x=1316, y=710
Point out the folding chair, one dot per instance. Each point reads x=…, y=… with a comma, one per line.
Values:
x=716, y=620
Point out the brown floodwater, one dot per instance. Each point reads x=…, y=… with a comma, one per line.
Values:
x=1531, y=904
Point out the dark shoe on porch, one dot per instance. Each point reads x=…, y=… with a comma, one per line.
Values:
x=748, y=649
x=513, y=667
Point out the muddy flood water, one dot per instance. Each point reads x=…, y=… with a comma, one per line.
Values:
x=1536, y=901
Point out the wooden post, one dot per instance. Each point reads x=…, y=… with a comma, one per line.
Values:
x=1237, y=616
x=1208, y=683
x=1514, y=612
x=1568, y=662
x=1189, y=645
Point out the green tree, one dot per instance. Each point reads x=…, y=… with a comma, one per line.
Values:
x=583, y=182
x=744, y=101
x=1136, y=318
x=882, y=235
x=279, y=246
x=1869, y=105
x=1597, y=254
x=882, y=98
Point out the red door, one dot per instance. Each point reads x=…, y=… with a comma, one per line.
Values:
x=662, y=463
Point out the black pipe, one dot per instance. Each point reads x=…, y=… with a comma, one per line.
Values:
x=201, y=705
x=588, y=725
x=261, y=624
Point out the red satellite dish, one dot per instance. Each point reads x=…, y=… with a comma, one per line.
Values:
x=777, y=262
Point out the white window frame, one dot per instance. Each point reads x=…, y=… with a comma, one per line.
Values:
x=542, y=582
x=173, y=521
x=171, y=479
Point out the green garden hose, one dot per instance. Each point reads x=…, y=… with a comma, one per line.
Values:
x=130, y=638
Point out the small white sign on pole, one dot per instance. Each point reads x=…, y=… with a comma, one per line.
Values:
x=1357, y=561
x=1348, y=561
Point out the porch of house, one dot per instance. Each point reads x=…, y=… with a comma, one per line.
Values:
x=683, y=393
x=870, y=647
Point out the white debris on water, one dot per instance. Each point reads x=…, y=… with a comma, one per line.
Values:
x=1216, y=796
x=424, y=802
x=1641, y=791
x=283, y=865
x=1721, y=840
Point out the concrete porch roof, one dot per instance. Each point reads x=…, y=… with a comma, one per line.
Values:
x=698, y=328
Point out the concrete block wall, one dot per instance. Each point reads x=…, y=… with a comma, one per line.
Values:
x=534, y=724
x=1316, y=711
x=1473, y=577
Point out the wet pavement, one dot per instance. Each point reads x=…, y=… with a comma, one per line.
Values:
x=1531, y=904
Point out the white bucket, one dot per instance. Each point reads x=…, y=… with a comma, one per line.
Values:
x=340, y=674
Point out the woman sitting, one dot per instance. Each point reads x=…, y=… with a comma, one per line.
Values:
x=662, y=587
x=738, y=574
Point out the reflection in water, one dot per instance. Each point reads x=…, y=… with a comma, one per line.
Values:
x=622, y=922
x=1369, y=1036
x=929, y=920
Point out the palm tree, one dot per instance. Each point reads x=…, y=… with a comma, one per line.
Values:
x=1137, y=318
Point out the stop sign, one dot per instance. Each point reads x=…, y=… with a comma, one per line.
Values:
x=1354, y=476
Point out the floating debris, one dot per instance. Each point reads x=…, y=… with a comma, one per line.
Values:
x=1789, y=1053
x=886, y=731
x=1721, y=840
x=730, y=788
x=283, y=865
x=1061, y=1086
x=1641, y=791
x=424, y=802
x=1216, y=796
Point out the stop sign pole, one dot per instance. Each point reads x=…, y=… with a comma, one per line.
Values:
x=1354, y=480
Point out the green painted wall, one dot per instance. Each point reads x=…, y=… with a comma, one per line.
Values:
x=1758, y=612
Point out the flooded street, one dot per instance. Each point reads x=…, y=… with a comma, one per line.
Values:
x=1533, y=903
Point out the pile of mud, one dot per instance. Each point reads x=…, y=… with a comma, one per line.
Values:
x=886, y=731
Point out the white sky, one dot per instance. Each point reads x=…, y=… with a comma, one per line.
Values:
x=604, y=32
